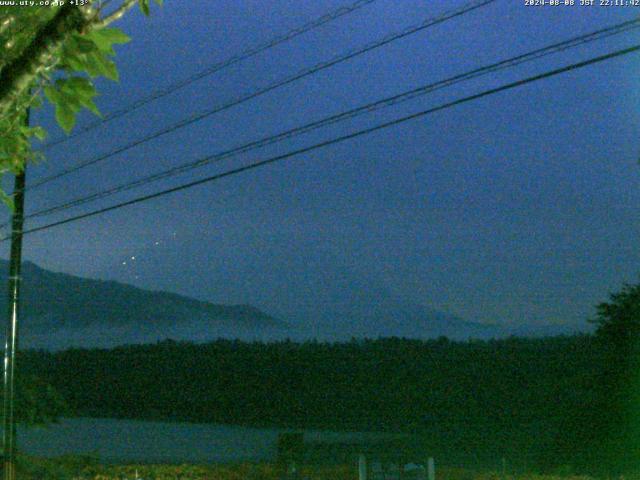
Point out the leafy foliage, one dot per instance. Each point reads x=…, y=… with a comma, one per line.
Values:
x=69, y=95
x=604, y=435
x=37, y=402
x=619, y=320
x=89, y=53
x=65, y=76
x=66, y=467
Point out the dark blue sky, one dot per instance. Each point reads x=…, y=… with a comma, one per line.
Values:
x=519, y=207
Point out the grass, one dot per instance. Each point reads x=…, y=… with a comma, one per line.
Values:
x=244, y=471
x=87, y=468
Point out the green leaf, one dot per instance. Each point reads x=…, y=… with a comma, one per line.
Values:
x=89, y=64
x=159, y=2
x=109, y=69
x=76, y=62
x=39, y=132
x=28, y=132
x=99, y=64
x=69, y=95
x=144, y=6
x=66, y=117
x=52, y=94
x=78, y=86
x=105, y=38
x=7, y=200
x=88, y=103
x=66, y=96
x=84, y=45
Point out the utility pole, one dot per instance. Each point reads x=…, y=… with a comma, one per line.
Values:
x=11, y=340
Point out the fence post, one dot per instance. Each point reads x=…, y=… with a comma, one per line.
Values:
x=431, y=469
x=362, y=467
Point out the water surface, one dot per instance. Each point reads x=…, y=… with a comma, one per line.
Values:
x=115, y=440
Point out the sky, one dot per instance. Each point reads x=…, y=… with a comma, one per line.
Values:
x=516, y=208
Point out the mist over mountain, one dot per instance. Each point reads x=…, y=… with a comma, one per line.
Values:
x=61, y=310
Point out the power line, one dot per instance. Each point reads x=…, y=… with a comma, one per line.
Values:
x=216, y=67
x=340, y=139
x=470, y=6
x=368, y=108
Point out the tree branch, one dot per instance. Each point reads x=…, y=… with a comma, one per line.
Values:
x=115, y=15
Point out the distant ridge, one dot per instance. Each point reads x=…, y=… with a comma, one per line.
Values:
x=397, y=319
x=58, y=307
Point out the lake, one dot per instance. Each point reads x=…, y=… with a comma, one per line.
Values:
x=116, y=441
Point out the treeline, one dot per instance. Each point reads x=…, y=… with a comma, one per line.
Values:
x=480, y=399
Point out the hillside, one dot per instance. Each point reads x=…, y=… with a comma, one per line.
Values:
x=61, y=310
